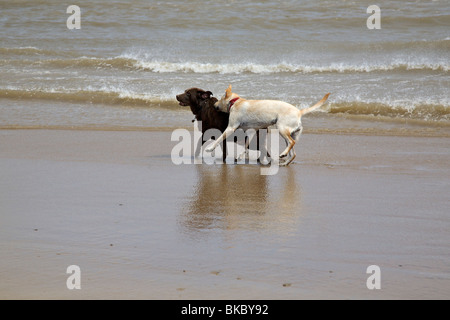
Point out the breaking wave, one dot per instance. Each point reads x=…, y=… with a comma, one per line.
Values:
x=429, y=112
x=127, y=62
x=90, y=96
x=237, y=68
x=418, y=111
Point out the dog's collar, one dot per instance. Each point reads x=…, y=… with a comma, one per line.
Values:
x=232, y=101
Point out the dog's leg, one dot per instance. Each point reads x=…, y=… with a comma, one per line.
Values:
x=263, y=146
x=259, y=143
x=281, y=156
x=295, y=135
x=228, y=131
x=202, y=142
x=224, y=155
x=286, y=134
x=287, y=162
x=198, y=147
x=245, y=153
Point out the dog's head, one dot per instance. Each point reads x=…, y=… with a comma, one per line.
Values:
x=193, y=97
x=226, y=101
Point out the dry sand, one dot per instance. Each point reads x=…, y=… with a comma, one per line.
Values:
x=140, y=227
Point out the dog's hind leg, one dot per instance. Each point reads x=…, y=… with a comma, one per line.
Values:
x=287, y=162
x=291, y=138
x=295, y=135
x=286, y=134
x=261, y=142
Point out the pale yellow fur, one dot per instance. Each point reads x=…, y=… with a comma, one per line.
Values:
x=259, y=114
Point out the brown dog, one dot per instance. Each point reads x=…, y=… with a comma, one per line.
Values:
x=202, y=103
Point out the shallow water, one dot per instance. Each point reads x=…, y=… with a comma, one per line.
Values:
x=143, y=53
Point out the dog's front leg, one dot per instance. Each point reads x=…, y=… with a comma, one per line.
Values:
x=245, y=153
x=228, y=131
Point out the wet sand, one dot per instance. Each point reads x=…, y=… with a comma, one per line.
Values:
x=140, y=227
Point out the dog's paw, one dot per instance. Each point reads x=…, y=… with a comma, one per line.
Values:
x=243, y=155
x=282, y=156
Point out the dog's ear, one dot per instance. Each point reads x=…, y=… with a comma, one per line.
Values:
x=206, y=95
x=228, y=92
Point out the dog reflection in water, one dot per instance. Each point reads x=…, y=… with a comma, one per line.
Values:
x=238, y=197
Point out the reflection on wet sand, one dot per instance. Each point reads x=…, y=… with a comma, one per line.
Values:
x=239, y=197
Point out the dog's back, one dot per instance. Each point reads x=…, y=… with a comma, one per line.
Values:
x=211, y=118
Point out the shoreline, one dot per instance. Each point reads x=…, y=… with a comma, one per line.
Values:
x=392, y=127
x=34, y=115
x=140, y=227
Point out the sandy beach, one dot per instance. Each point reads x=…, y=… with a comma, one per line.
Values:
x=88, y=182
x=140, y=227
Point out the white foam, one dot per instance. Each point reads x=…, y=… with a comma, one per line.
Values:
x=159, y=66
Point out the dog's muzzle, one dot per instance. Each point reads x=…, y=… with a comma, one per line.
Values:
x=183, y=104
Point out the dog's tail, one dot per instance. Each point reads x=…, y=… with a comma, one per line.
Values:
x=314, y=107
